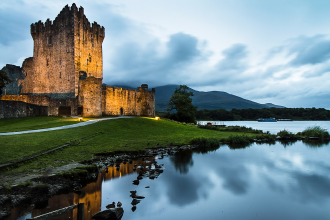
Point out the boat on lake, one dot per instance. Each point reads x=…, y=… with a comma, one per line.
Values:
x=266, y=120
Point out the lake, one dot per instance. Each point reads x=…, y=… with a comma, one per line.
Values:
x=281, y=181
x=274, y=127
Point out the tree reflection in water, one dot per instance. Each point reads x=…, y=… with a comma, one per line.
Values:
x=182, y=160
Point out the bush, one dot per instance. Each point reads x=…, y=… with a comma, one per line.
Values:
x=232, y=129
x=284, y=134
x=241, y=129
x=205, y=142
x=315, y=131
x=266, y=137
x=238, y=139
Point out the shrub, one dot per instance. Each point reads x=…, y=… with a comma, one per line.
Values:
x=238, y=139
x=315, y=131
x=241, y=129
x=205, y=142
x=267, y=136
x=284, y=134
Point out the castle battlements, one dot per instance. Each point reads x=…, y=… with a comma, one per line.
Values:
x=65, y=19
x=65, y=73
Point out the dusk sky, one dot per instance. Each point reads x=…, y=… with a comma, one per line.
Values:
x=274, y=51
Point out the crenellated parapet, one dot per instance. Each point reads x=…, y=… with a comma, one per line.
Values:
x=65, y=19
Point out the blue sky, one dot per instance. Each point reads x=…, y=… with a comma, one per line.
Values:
x=274, y=51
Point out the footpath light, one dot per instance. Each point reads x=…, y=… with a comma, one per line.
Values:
x=80, y=119
x=156, y=118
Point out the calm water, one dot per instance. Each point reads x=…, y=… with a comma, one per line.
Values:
x=274, y=127
x=290, y=181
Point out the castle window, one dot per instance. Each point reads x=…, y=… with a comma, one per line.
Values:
x=68, y=50
x=47, y=62
x=68, y=77
x=79, y=54
x=91, y=35
x=60, y=75
x=87, y=61
x=50, y=40
x=60, y=62
x=92, y=45
x=90, y=59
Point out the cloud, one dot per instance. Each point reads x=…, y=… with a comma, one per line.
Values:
x=135, y=61
x=310, y=50
x=233, y=58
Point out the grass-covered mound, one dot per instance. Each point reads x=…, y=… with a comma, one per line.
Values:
x=126, y=134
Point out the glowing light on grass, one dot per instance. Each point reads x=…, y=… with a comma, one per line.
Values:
x=156, y=118
x=80, y=119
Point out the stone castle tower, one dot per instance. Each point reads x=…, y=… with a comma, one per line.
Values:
x=66, y=72
x=62, y=49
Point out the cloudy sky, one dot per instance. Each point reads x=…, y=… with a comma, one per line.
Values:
x=274, y=51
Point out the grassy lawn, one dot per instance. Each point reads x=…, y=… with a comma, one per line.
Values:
x=33, y=123
x=125, y=134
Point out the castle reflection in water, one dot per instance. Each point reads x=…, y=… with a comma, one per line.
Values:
x=91, y=195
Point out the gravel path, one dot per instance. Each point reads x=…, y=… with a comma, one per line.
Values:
x=63, y=127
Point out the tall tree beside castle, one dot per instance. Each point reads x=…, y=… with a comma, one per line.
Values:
x=181, y=103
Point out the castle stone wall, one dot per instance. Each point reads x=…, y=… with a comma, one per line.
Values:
x=15, y=74
x=14, y=109
x=90, y=96
x=66, y=70
x=88, y=46
x=43, y=100
x=120, y=101
x=28, y=82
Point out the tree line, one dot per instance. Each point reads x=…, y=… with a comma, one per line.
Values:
x=254, y=114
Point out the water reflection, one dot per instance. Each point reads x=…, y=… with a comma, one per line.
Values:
x=182, y=161
x=287, y=143
x=314, y=143
x=256, y=182
x=238, y=146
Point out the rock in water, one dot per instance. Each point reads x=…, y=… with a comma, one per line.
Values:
x=109, y=214
x=112, y=205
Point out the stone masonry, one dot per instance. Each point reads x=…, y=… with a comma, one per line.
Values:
x=66, y=72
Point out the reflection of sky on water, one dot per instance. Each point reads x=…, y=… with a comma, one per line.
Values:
x=259, y=182
x=274, y=127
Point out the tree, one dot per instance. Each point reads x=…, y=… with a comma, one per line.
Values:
x=4, y=80
x=181, y=105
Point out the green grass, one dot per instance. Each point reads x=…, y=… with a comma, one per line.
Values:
x=33, y=123
x=315, y=131
x=128, y=134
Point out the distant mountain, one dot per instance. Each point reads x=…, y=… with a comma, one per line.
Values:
x=270, y=105
x=208, y=100
x=121, y=86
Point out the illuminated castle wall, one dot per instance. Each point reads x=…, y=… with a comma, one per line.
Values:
x=67, y=64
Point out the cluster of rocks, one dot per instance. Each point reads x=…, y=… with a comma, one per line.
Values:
x=111, y=213
x=43, y=188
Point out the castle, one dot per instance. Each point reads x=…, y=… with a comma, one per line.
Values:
x=66, y=72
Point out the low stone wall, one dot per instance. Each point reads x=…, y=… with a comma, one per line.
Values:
x=42, y=100
x=15, y=109
x=121, y=101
